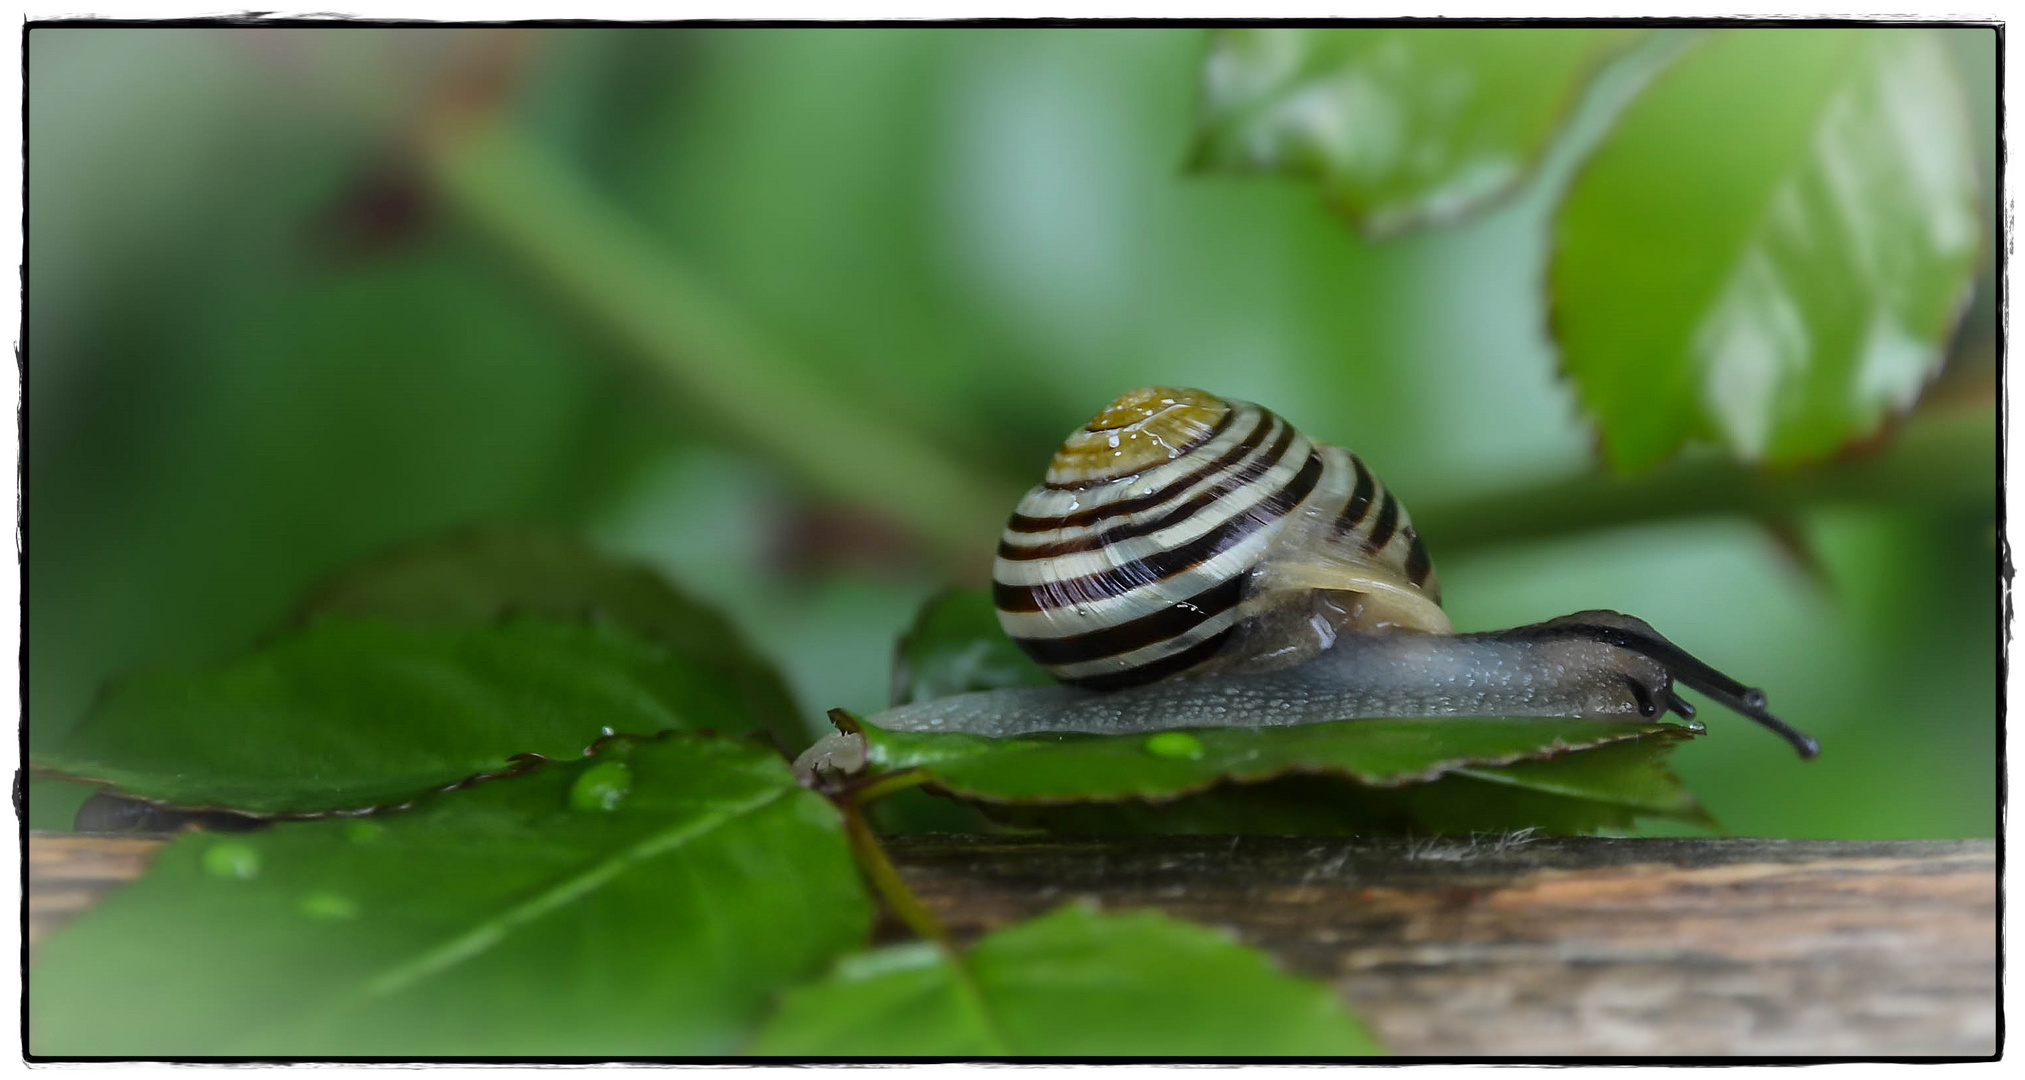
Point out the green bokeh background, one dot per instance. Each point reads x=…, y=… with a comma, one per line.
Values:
x=259, y=346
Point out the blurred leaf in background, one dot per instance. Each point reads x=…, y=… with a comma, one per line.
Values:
x=1399, y=125
x=974, y=237
x=1772, y=247
x=221, y=407
x=1073, y=982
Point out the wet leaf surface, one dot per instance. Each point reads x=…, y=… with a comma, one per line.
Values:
x=1608, y=788
x=526, y=917
x=1771, y=247
x=1562, y=775
x=1397, y=126
x=1070, y=983
x=355, y=714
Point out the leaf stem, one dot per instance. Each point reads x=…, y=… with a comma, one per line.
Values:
x=882, y=786
x=885, y=878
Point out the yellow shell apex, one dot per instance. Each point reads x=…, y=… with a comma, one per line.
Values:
x=1144, y=428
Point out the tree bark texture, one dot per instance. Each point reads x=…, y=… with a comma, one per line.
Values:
x=1499, y=946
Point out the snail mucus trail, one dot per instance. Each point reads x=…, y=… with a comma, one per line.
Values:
x=1190, y=562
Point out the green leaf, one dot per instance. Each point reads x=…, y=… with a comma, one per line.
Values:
x=1608, y=788
x=354, y=714
x=1630, y=774
x=956, y=646
x=481, y=574
x=1399, y=126
x=1771, y=247
x=1054, y=768
x=512, y=918
x=1070, y=983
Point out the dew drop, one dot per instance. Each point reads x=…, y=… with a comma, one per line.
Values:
x=1175, y=744
x=602, y=786
x=232, y=859
x=364, y=832
x=329, y=906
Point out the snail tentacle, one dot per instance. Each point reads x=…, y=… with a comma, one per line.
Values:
x=1626, y=632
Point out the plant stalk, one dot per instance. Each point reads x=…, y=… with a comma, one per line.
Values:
x=885, y=877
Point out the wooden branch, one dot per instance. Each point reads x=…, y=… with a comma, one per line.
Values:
x=68, y=872
x=1573, y=946
x=1562, y=946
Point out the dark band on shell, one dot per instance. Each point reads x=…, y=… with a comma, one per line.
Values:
x=1139, y=556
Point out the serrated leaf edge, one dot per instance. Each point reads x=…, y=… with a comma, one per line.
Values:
x=1557, y=748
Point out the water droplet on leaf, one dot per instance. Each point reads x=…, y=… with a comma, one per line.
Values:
x=364, y=832
x=232, y=859
x=323, y=905
x=1175, y=744
x=602, y=786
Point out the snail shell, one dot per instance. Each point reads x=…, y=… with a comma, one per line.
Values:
x=1178, y=532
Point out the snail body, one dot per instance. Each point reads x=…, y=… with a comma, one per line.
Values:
x=1554, y=669
x=1192, y=562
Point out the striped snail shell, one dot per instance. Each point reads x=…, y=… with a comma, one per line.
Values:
x=1178, y=532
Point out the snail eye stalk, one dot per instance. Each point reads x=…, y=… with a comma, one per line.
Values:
x=1748, y=701
x=1639, y=693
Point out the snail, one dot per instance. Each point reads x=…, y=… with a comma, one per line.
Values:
x=1191, y=561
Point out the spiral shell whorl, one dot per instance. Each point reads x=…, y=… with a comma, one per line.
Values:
x=1138, y=557
x=1135, y=433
